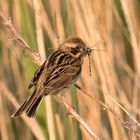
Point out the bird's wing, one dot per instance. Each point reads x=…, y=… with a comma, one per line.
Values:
x=49, y=63
x=37, y=75
x=60, y=73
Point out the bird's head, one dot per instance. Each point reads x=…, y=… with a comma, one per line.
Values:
x=75, y=46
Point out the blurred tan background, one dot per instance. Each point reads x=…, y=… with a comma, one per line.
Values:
x=115, y=73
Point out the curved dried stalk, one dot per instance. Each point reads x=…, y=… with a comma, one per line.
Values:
x=126, y=124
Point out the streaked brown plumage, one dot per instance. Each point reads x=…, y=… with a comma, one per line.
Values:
x=58, y=72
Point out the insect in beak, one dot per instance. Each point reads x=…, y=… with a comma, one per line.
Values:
x=89, y=51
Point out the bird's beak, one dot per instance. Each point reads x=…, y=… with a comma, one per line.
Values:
x=88, y=51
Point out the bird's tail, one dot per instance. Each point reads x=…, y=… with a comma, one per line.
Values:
x=29, y=106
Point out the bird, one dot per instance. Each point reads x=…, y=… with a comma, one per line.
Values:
x=60, y=71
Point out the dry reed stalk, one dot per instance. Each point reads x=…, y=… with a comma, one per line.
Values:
x=72, y=113
x=131, y=18
x=126, y=124
x=105, y=65
x=3, y=128
x=41, y=48
x=84, y=26
x=32, y=123
x=35, y=57
x=60, y=127
x=58, y=21
x=45, y=22
x=128, y=114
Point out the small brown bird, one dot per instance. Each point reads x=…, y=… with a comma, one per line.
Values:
x=58, y=72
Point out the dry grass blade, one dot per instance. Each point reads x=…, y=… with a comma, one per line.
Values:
x=129, y=11
x=20, y=40
x=72, y=113
x=3, y=128
x=32, y=123
x=126, y=124
x=41, y=47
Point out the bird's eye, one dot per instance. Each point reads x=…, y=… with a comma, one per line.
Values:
x=75, y=50
x=77, y=47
